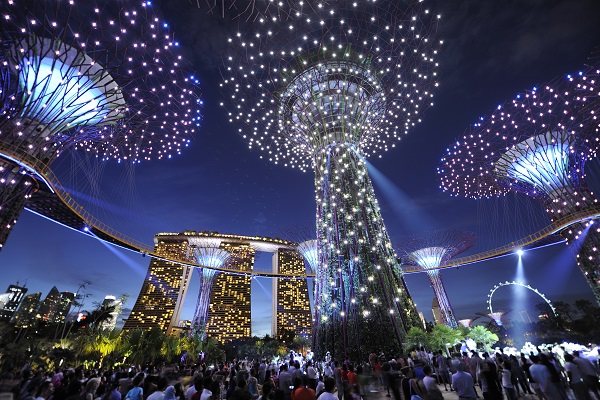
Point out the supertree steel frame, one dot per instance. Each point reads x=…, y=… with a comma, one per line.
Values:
x=206, y=253
x=334, y=84
x=537, y=145
x=101, y=77
x=308, y=249
x=429, y=251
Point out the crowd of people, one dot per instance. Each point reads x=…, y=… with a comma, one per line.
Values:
x=420, y=375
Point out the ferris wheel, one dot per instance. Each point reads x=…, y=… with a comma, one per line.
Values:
x=515, y=283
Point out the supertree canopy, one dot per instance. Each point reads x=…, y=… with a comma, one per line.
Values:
x=335, y=83
x=429, y=251
x=101, y=77
x=538, y=144
x=206, y=253
x=308, y=249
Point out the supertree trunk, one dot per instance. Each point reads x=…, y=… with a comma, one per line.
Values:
x=15, y=190
x=207, y=278
x=361, y=304
x=439, y=290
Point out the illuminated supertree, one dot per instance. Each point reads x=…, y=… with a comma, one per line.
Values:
x=429, y=251
x=308, y=249
x=101, y=77
x=465, y=322
x=496, y=317
x=206, y=252
x=537, y=145
x=325, y=89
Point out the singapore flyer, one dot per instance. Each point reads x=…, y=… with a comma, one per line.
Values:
x=515, y=283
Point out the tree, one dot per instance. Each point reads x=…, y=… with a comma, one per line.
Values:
x=484, y=338
x=442, y=337
x=416, y=337
x=300, y=343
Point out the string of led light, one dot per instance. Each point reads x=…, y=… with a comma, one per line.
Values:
x=521, y=284
x=538, y=145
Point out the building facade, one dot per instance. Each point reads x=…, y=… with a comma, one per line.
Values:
x=116, y=305
x=26, y=315
x=291, y=303
x=11, y=301
x=49, y=306
x=165, y=286
x=229, y=312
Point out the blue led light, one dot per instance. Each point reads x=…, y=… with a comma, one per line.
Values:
x=57, y=88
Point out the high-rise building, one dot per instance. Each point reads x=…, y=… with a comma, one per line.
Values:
x=165, y=286
x=229, y=311
x=10, y=301
x=291, y=304
x=27, y=312
x=64, y=306
x=117, y=307
x=49, y=306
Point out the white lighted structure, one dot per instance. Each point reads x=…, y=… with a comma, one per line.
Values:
x=322, y=88
x=101, y=77
x=308, y=249
x=521, y=284
x=117, y=307
x=497, y=317
x=429, y=251
x=206, y=252
x=538, y=145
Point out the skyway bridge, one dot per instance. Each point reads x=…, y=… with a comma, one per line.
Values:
x=52, y=201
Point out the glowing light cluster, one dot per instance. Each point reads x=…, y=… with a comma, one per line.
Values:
x=429, y=251
x=326, y=87
x=105, y=78
x=515, y=283
x=101, y=77
x=357, y=72
x=534, y=144
x=537, y=144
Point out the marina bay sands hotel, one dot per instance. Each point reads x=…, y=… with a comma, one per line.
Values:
x=166, y=285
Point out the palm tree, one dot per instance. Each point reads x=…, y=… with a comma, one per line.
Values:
x=416, y=337
x=442, y=337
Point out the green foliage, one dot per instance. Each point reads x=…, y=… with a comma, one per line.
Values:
x=443, y=337
x=484, y=338
x=416, y=337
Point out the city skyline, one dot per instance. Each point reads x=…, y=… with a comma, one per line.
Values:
x=235, y=191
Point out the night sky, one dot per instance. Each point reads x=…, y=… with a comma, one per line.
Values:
x=493, y=50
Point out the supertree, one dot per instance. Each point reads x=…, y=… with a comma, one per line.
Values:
x=101, y=77
x=496, y=317
x=325, y=89
x=206, y=252
x=465, y=322
x=308, y=249
x=538, y=144
x=430, y=250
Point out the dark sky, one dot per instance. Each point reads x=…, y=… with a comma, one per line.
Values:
x=493, y=49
